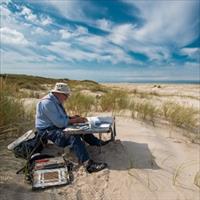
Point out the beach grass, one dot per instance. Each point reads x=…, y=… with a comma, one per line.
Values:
x=89, y=97
x=80, y=104
x=13, y=117
x=114, y=101
x=179, y=115
x=144, y=110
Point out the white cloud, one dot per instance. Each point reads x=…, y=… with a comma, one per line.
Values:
x=167, y=22
x=69, y=53
x=121, y=34
x=27, y=13
x=68, y=33
x=193, y=53
x=95, y=54
x=104, y=50
x=81, y=30
x=19, y=57
x=69, y=9
x=10, y=36
x=124, y=36
x=65, y=34
x=39, y=31
x=104, y=24
x=51, y=58
x=93, y=42
x=35, y=19
x=46, y=20
x=7, y=17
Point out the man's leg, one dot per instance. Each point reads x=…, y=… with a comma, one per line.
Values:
x=76, y=144
x=73, y=141
x=93, y=141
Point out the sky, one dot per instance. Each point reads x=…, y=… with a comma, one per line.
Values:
x=101, y=40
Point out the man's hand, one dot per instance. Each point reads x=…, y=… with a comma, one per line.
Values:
x=74, y=116
x=77, y=119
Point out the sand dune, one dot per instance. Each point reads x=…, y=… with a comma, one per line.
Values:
x=144, y=163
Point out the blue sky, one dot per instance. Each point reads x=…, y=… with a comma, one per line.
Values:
x=102, y=40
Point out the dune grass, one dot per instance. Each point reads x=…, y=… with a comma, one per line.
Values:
x=80, y=104
x=114, y=101
x=13, y=117
x=38, y=83
x=107, y=100
x=179, y=115
x=144, y=110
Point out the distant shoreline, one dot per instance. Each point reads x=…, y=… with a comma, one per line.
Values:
x=153, y=82
x=195, y=82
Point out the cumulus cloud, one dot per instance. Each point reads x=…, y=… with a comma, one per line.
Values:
x=10, y=36
x=34, y=18
x=27, y=13
x=45, y=20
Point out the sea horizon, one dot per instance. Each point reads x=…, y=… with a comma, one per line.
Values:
x=141, y=81
x=196, y=82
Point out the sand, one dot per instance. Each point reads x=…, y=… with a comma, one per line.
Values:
x=145, y=163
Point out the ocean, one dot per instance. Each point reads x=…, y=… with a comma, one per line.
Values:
x=157, y=81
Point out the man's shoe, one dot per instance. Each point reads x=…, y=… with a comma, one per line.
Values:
x=95, y=167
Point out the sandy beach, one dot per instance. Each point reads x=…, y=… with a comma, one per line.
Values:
x=145, y=162
x=184, y=94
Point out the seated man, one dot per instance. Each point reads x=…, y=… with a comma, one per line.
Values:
x=51, y=119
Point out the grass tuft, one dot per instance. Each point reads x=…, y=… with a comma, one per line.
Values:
x=114, y=101
x=145, y=111
x=80, y=104
x=179, y=115
x=12, y=116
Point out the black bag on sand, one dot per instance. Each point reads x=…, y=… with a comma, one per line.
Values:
x=29, y=147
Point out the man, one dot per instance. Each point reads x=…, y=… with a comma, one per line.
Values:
x=51, y=119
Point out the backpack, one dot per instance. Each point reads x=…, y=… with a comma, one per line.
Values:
x=29, y=147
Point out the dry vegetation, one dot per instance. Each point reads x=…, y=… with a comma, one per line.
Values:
x=136, y=103
x=13, y=118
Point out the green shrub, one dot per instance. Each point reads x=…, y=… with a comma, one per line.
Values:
x=80, y=104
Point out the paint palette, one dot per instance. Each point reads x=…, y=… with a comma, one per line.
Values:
x=50, y=172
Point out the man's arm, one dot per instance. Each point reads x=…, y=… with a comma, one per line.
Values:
x=53, y=114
